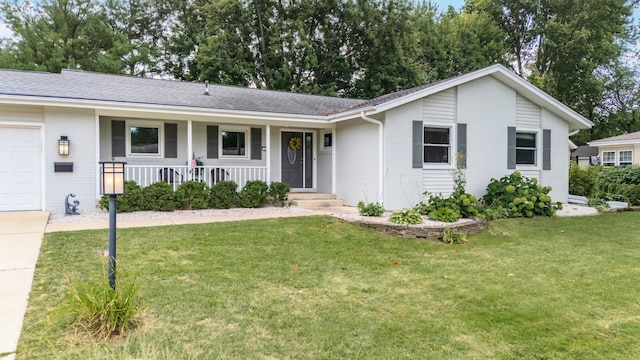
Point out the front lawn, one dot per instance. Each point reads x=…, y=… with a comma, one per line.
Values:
x=320, y=288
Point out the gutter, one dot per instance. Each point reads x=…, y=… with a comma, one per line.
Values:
x=380, y=154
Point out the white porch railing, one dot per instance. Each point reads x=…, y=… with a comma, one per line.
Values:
x=145, y=175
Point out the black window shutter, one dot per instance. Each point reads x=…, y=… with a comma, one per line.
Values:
x=418, y=146
x=256, y=143
x=171, y=141
x=546, y=149
x=212, y=141
x=118, y=139
x=511, y=147
x=462, y=145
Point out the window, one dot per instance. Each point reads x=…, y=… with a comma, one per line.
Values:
x=328, y=140
x=233, y=143
x=144, y=139
x=526, y=151
x=437, y=145
x=626, y=157
x=609, y=158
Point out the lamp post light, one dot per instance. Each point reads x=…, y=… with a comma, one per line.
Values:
x=112, y=184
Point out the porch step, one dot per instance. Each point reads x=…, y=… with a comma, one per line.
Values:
x=314, y=200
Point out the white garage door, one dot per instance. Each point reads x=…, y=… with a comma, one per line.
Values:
x=19, y=169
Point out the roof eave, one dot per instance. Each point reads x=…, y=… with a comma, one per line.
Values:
x=613, y=142
x=154, y=108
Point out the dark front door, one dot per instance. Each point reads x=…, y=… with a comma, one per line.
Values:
x=297, y=155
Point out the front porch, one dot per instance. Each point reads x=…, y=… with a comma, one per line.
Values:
x=145, y=175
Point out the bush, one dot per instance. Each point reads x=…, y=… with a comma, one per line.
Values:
x=582, y=181
x=130, y=201
x=451, y=236
x=278, y=192
x=192, y=195
x=464, y=204
x=406, y=216
x=445, y=215
x=224, y=195
x=254, y=194
x=102, y=311
x=370, y=209
x=159, y=197
x=517, y=196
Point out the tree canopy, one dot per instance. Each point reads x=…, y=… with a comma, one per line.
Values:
x=352, y=48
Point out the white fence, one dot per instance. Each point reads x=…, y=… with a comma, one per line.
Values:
x=145, y=175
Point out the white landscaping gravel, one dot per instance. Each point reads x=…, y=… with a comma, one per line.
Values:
x=346, y=213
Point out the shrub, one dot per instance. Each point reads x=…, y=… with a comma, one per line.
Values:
x=406, y=216
x=516, y=196
x=370, y=209
x=192, y=195
x=278, y=192
x=102, y=311
x=254, y=194
x=451, y=236
x=224, y=195
x=159, y=196
x=445, y=214
x=130, y=201
x=582, y=181
x=464, y=204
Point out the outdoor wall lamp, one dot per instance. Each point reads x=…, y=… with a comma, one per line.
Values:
x=112, y=184
x=63, y=145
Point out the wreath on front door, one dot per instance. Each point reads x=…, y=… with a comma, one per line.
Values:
x=295, y=143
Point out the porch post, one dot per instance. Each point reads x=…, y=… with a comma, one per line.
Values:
x=268, y=154
x=189, y=141
x=334, y=143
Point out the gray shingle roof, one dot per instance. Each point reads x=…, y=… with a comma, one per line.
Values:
x=585, y=151
x=82, y=85
x=629, y=136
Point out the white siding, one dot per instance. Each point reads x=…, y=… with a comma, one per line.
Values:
x=324, y=170
x=438, y=181
x=357, y=166
x=558, y=176
x=403, y=184
x=527, y=113
x=488, y=107
x=530, y=173
x=440, y=107
x=15, y=113
x=79, y=126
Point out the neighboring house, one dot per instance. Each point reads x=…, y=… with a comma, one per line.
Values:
x=586, y=155
x=390, y=149
x=619, y=150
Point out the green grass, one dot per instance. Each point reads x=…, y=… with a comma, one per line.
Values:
x=319, y=288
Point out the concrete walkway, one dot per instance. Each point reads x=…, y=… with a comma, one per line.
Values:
x=20, y=238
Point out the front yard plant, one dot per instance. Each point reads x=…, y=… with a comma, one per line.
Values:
x=406, y=216
x=159, y=196
x=370, y=209
x=192, y=195
x=278, y=192
x=254, y=194
x=518, y=196
x=224, y=195
x=130, y=201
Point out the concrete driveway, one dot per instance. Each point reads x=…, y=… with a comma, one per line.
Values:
x=21, y=234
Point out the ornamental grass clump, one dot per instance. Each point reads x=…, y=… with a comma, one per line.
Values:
x=104, y=312
x=518, y=196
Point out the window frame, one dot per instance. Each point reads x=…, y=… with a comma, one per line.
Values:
x=323, y=135
x=145, y=124
x=247, y=142
x=538, y=149
x=613, y=163
x=626, y=163
x=451, y=146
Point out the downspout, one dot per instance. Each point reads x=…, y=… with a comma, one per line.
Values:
x=380, y=154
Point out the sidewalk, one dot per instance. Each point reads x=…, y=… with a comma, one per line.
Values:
x=20, y=238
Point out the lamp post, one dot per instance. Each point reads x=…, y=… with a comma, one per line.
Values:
x=112, y=184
